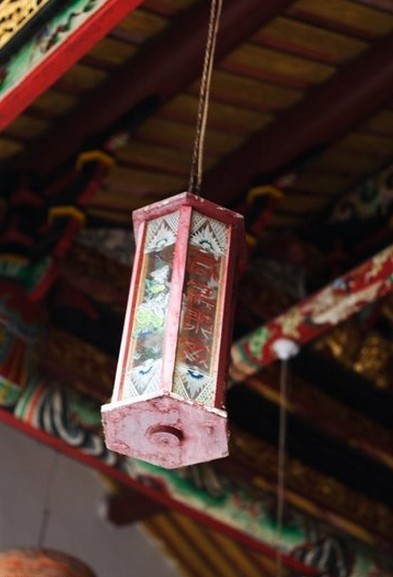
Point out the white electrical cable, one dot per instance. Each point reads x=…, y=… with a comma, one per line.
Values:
x=285, y=349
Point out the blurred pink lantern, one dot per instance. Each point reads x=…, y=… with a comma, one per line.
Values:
x=40, y=563
x=168, y=400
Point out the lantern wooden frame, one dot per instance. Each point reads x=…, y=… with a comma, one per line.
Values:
x=169, y=408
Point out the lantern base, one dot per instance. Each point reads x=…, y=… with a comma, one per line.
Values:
x=166, y=430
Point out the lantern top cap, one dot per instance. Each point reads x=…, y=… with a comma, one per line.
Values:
x=168, y=205
x=205, y=207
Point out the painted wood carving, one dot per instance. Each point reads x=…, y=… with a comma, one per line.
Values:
x=316, y=314
x=17, y=15
x=58, y=44
x=70, y=421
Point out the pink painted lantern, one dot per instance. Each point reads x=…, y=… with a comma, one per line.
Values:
x=41, y=562
x=168, y=401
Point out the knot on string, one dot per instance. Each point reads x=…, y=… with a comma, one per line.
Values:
x=285, y=348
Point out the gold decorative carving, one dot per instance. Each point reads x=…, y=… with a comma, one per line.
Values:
x=370, y=356
x=307, y=488
x=342, y=342
x=15, y=14
x=354, y=427
x=374, y=360
x=89, y=272
x=77, y=364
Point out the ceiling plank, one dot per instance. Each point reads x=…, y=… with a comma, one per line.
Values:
x=167, y=65
x=326, y=113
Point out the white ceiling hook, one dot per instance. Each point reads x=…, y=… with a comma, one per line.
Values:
x=285, y=348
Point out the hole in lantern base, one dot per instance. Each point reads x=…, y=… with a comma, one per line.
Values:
x=165, y=436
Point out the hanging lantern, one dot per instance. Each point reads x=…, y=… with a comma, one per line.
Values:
x=168, y=401
x=40, y=562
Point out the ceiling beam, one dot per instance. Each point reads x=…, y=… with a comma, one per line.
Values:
x=72, y=43
x=324, y=496
x=336, y=419
x=326, y=113
x=313, y=316
x=165, y=66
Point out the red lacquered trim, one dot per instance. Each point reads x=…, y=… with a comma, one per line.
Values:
x=59, y=61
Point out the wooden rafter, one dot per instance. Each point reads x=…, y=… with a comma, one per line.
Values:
x=167, y=65
x=326, y=113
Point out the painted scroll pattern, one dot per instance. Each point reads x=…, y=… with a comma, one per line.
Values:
x=145, y=358
x=309, y=540
x=44, y=405
x=196, y=359
x=316, y=314
x=47, y=39
x=372, y=199
x=66, y=414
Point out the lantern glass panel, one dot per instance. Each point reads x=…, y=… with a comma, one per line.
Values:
x=199, y=334
x=143, y=372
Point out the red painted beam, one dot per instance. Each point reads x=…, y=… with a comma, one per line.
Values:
x=61, y=59
x=168, y=64
x=315, y=315
x=326, y=113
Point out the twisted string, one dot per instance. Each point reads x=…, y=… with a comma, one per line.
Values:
x=203, y=104
x=46, y=510
x=282, y=435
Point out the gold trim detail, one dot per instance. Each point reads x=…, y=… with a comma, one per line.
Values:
x=66, y=211
x=15, y=14
x=94, y=156
x=312, y=491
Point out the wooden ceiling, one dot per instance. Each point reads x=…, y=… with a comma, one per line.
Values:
x=301, y=101
x=319, y=72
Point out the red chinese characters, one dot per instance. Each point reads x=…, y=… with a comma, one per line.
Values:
x=199, y=309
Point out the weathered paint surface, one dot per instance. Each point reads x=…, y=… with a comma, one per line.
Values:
x=168, y=402
x=54, y=49
x=316, y=314
x=167, y=431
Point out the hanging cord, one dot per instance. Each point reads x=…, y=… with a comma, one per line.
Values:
x=284, y=349
x=203, y=104
x=282, y=436
x=46, y=511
